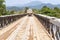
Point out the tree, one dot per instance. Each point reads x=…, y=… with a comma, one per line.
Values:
x=45, y=10
x=12, y=12
x=57, y=9
x=2, y=7
x=1, y=2
x=26, y=8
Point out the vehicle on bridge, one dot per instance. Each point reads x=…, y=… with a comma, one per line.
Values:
x=29, y=12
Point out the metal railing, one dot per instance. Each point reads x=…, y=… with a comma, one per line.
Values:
x=7, y=19
x=51, y=24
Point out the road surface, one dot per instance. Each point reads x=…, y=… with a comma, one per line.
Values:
x=26, y=28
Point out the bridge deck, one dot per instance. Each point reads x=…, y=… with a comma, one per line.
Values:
x=26, y=28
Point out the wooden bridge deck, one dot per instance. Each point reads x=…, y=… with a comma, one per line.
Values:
x=26, y=28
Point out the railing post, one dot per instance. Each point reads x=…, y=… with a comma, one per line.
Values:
x=57, y=34
x=2, y=22
x=50, y=31
x=54, y=31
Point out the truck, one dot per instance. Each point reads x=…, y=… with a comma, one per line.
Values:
x=29, y=12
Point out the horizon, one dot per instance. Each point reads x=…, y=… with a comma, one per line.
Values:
x=22, y=2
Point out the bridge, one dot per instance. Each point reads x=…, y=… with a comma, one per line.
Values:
x=24, y=27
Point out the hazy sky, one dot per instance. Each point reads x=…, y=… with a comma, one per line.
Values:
x=21, y=2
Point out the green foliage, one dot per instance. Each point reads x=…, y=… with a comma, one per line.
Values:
x=12, y=12
x=57, y=9
x=48, y=11
x=1, y=2
x=2, y=7
x=3, y=10
x=26, y=8
x=35, y=10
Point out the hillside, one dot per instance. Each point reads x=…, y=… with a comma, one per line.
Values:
x=33, y=4
x=14, y=8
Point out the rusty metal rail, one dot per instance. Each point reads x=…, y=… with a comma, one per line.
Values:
x=5, y=20
x=51, y=24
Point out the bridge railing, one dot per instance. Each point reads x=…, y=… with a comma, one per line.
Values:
x=51, y=24
x=7, y=19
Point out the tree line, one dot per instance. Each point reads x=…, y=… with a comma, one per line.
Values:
x=44, y=10
x=55, y=12
x=3, y=10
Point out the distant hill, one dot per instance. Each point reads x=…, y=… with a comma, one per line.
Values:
x=38, y=5
x=15, y=8
x=33, y=4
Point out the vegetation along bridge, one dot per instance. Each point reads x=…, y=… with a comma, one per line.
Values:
x=24, y=27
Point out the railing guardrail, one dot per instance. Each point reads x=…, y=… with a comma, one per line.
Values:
x=7, y=19
x=51, y=24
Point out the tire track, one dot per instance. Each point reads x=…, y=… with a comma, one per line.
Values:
x=8, y=32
